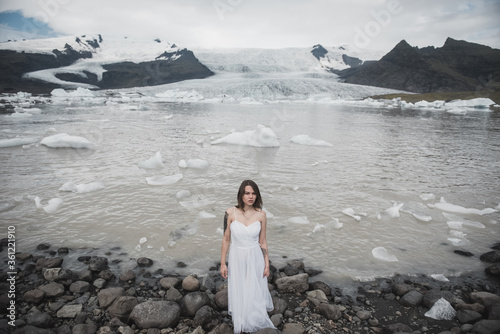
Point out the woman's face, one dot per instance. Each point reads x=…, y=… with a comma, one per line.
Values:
x=249, y=196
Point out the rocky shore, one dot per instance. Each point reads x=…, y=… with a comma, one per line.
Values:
x=41, y=295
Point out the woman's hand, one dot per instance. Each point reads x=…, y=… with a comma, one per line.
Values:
x=223, y=270
x=266, y=271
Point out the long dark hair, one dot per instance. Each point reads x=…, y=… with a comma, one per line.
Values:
x=257, y=204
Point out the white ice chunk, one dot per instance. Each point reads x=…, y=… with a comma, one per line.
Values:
x=81, y=188
x=263, y=136
x=444, y=206
x=63, y=140
x=440, y=277
x=193, y=163
x=393, y=211
x=143, y=240
x=181, y=194
x=427, y=197
x=206, y=215
x=219, y=231
x=78, y=93
x=441, y=310
x=17, y=141
x=299, y=220
x=19, y=115
x=351, y=213
x=51, y=206
x=306, y=140
x=318, y=228
x=422, y=217
x=196, y=203
x=336, y=224
x=382, y=254
x=153, y=162
x=163, y=180
x=462, y=221
x=478, y=103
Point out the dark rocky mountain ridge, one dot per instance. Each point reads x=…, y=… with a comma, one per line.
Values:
x=457, y=66
x=165, y=68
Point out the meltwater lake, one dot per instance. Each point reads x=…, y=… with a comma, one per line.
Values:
x=365, y=192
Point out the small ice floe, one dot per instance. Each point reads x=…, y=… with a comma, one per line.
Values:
x=167, y=117
x=81, y=188
x=336, y=224
x=456, y=111
x=427, y=197
x=478, y=103
x=181, y=194
x=440, y=277
x=351, y=213
x=193, y=163
x=457, y=222
x=163, y=180
x=153, y=162
x=263, y=136
x=458, y=238
x=143, y=240
x=268, y=214
x=51, y=206
x=219, y=231
x=64, y=140
x=441, y=310
x=19, y=115
x=299, y=220
x=19, y=141
x=422, y=217
x=196, y=203
x=382, y=254
x=393, y=211
x=306, y=140
x=318, y=228
x=444, y=206
x=205, y=215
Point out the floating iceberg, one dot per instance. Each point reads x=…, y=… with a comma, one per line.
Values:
x=350, y=212
x=382, y=254
x=63, y=140
x=81, y=188
x=393, y=211
x=193, y=163
x=79, y=92
x=51, y=206
x=153, y=162
x=163, y=180
x=479, y=103
x=306, y=140
x=444, y=206
x=263, y=136
x=17, y=141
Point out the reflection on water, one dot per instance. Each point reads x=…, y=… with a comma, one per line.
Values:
x=379, y=158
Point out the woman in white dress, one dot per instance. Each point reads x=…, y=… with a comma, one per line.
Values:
x=249, y=299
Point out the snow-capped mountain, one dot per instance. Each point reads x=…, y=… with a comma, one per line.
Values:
x=93, y=62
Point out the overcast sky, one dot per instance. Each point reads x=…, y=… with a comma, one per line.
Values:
x=368, y=24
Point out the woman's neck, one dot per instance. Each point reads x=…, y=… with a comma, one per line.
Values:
x=247, y=208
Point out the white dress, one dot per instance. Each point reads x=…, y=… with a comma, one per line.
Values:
x=249, y=297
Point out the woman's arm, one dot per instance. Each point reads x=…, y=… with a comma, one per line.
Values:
x=263, y=243
x=226, y=239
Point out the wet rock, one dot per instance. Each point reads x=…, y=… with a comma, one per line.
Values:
x=486, y=327
x=51, y=274
x=363, y=315
x=317, y=297
x=299, y=264
x=52, y=290
x=298, y=283
x=43, y=246
x=98, y=264
x=129, y=275
x=69, y=311
x=203, y=316
x=293, y=328
x=170, y=282
x=55, y=262
x=222, y=329
x=468, y=316
x=192, y=302
x=397, y=328
x=463, y=253
x=122, y=307
x=290, y=270
x=190, y=283
x=63, y=250
x=144, y=262
x=277, y=319
x=493, y=270
x=221, y=299
x=207, y=283
x=400, y=289
x=313, y=272
x=155, y=314
x=106, y=275
x=173, y=295
x=21, y=257
x=99, y=283
x=472, y=307
x=280, y=306
x=411, y=299
x=79, y=287
x=107, y=296
x=39, y=319
x=318, y=285
x=491, y=257
x=88, y=328
x=485, y=298
x=331, y=312
x=34, y=296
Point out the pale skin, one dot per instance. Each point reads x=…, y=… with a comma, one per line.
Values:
x=249, y=216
